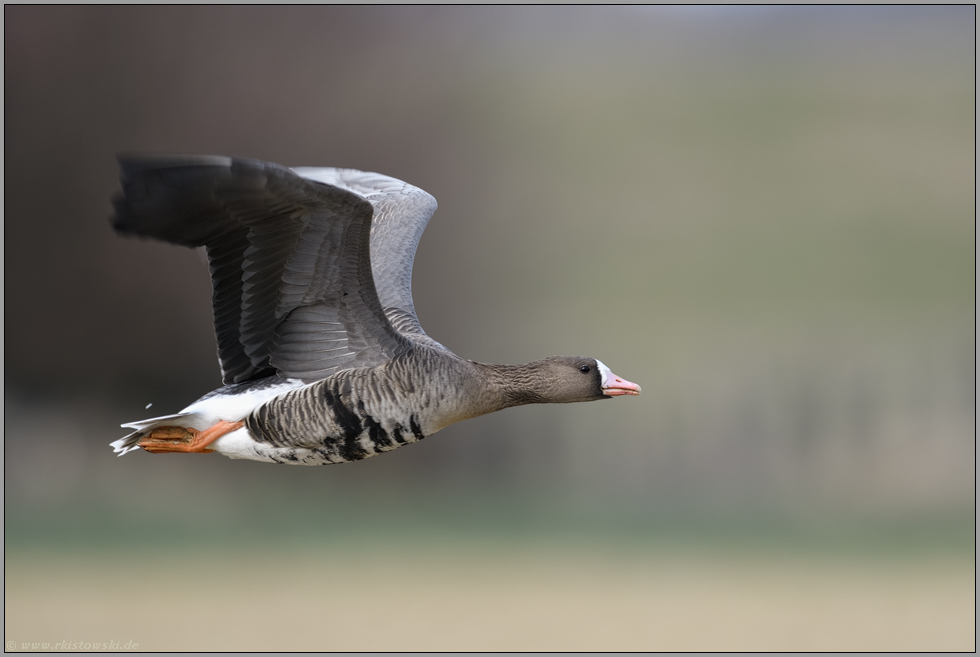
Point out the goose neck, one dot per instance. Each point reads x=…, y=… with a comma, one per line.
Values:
x=511, y=385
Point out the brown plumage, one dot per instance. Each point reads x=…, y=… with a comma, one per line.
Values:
x=320, y=348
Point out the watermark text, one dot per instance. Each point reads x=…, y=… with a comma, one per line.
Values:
x=12, y=646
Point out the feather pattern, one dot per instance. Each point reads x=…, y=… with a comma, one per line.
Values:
x=401, y=214
x=290, y=261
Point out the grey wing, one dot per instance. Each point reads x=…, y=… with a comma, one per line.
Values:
x=290, y=261
x=401, y=213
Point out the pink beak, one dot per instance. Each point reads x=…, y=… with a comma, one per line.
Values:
x=613, y=386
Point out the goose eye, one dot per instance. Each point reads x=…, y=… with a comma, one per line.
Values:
x=584, y=369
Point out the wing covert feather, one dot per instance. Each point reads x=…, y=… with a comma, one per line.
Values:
x=401, y=213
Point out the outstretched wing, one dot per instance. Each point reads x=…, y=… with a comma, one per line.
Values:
x=290, y=261
x=401, y=213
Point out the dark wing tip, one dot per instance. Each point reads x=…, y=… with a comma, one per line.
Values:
x=172, y=197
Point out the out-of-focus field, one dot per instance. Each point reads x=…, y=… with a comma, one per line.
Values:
x=468, y=597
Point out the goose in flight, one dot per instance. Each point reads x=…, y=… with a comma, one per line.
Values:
x=322, y=356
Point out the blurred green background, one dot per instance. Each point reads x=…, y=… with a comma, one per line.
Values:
x=763, y=215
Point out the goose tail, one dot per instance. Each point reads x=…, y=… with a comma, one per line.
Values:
x=130, y=442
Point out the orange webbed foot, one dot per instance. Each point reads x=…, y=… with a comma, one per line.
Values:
x=184, y=439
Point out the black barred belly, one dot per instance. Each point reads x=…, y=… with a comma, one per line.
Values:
x=318, y=426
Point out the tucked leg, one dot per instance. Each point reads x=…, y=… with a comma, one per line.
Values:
x=181, y=439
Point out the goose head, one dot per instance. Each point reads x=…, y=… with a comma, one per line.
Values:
x=563, y=380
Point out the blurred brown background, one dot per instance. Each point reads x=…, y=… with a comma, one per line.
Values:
x=763, y=215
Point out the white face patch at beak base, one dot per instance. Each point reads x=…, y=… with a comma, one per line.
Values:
x=604, y=371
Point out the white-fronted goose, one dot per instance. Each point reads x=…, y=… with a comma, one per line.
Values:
x=321, y=353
